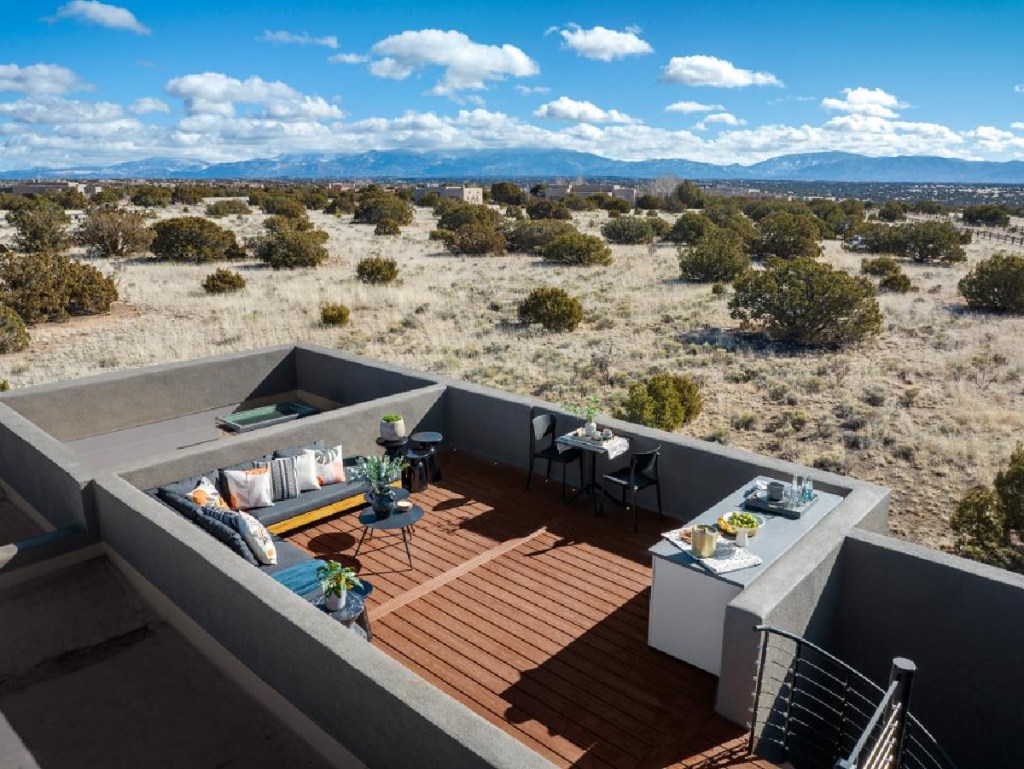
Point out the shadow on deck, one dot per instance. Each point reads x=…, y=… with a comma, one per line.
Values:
x=534, y=615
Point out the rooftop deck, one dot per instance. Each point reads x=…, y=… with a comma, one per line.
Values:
x=534, y=615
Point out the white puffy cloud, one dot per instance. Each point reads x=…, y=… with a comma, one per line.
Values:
x=865, y=101
x=40, y=79
x=1018, y=126
x=50, y=110
x=564, y=108
x=347, y=58
x=214, y=93
x=529, y=90
x=719, y=118
x=236, y=119
x=996, y=140
x=604, y=44
x=102, y=15
x=297, y=38
x=688, y=107
x=468, y=65
x=148, y=104
x=710, y=70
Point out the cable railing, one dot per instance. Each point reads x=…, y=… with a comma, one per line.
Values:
x=816, y=712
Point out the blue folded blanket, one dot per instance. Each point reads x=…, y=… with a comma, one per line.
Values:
x=301, y=579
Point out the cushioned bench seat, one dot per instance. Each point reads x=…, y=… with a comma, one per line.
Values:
x=288, y=555
x=308, y=501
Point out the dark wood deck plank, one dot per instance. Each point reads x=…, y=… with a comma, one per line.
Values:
x=534, y=615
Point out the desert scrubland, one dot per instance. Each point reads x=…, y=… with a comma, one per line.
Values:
x=930, y=408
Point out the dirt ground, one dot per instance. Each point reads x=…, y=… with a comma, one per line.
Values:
x=929, y=409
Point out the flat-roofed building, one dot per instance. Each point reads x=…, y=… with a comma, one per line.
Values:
x=41, y=188
x=453, y=191
x=559, y=191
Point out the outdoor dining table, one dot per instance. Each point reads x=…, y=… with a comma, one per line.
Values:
x=592, y=448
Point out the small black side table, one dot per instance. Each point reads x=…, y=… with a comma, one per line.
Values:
x=393, y=448
x=416, y=473
x=352, y=614
x=429, y=441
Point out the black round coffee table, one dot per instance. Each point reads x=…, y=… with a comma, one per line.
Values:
x=398, y=520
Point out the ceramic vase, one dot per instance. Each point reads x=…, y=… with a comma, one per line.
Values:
x=392, y=431
x=335, y=602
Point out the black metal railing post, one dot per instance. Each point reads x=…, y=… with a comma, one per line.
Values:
x=902, y=673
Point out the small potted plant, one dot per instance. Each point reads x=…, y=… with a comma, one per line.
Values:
x=392, y=427
x=380, y=473
x=336, y=580
x=588, y=413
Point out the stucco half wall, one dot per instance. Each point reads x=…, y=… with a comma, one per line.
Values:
x=372, y=705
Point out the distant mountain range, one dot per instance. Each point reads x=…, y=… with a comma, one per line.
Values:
x=546, y=164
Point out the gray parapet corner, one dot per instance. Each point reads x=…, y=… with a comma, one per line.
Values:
x=800, y=592
x=43, y=473
x=117, y=400
x=960, y=621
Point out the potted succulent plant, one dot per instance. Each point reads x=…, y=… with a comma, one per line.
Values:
x=392, y=427
x=336, y=580
x=380, y=473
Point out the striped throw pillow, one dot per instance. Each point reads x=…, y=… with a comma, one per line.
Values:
x=283, y=481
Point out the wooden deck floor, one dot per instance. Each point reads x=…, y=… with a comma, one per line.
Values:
x=534, y=615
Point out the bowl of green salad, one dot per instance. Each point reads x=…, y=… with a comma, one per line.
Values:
x=734, y=522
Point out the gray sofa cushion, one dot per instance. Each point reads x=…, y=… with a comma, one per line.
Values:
x=288, y=555
x=307, y=501
x=219, y=530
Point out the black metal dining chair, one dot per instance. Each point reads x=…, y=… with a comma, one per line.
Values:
x=642, y=473
x=542, y=427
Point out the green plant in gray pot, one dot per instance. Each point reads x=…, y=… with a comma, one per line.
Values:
x=336, y=580
x=380, y=473
x=392, y=427
x=588, y=412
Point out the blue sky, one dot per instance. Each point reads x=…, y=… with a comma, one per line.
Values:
x=86, y=82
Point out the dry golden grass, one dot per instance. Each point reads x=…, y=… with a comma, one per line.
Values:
x=931, y=408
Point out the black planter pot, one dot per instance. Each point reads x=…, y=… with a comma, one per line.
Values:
x=383, y=503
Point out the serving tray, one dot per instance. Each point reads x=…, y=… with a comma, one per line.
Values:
x=757, y=501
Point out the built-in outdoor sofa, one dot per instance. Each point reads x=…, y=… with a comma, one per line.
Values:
x=282, y=516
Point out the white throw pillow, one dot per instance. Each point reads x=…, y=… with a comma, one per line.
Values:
x=249, y=488
x=205, y=493
x=305, y=473
x=330, y=467
x=257, y=538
